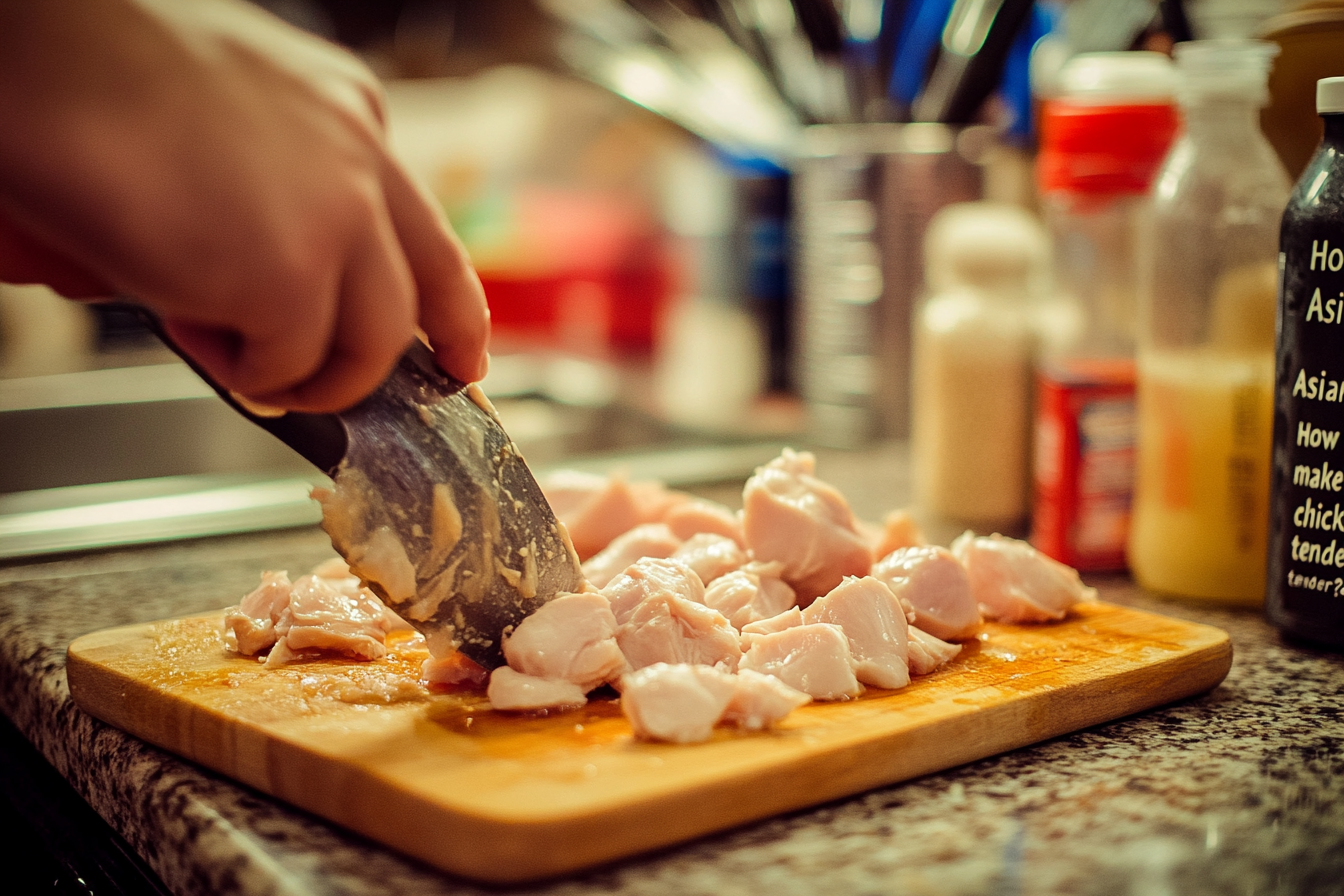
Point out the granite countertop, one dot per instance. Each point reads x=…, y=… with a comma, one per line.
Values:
x=1240, y=790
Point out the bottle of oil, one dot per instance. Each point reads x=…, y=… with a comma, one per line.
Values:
x=1304, y=594
x=1206, y=335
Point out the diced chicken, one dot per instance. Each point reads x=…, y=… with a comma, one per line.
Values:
x=696, y=516
x=760, y=701
x=596, y=508
x=249, y=627
x=671, y=629
x=513, y=691
x=337, y=573
x=680, y=703
x=899, y=530
x=791, y=516
x=1013, y=582
x=710, y=555
x=452, y=671
x=933, y=585
x=927, y=653
x=814, y=659
x=645, y=540
x=874, y=622
x=749, y=595
x=650, y=577
x=319, y=618
x=788, y=619
x=571, y=637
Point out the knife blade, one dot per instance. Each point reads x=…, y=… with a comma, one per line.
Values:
x=431, y=504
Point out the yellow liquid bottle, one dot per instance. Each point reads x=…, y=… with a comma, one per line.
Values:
x=1202, y=492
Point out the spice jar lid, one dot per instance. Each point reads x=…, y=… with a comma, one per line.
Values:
x=1329, y=96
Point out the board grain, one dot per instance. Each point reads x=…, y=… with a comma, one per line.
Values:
x=506, y=798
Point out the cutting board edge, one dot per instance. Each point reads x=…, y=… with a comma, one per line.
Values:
x=1203, y=669
x=478, y=855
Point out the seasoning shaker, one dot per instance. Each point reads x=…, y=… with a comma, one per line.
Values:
x=1104, y=133
x=985, y=265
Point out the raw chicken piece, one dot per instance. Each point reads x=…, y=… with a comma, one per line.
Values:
x=760, y=700
x=453, y=670
x=572, y=637
x=710, y=555
x=249, y=628
x=666, y=628
x=645, y=540
x=814, y=659
x=597, y=508
x=680, y=703
x=777, y=623
x=695, y=516
x=318, y=618
x=512, y=690
x=749, y=594
x=874, y=622
x=1013, y=582
x=927, y=652
x=337, y=573
x=933, y=585
x=650, y=577
x=899, y=530
x=791, y=516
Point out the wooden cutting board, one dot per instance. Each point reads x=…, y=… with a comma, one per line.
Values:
x=507, y=798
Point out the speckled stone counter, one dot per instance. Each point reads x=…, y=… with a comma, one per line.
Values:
x=1240, y=790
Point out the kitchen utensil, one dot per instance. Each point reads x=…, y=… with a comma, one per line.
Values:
x=507, y=798
x=432, y=506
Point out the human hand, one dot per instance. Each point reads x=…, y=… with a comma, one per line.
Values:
x=232, y=174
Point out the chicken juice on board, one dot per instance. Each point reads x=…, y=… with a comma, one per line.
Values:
x=1305, y=588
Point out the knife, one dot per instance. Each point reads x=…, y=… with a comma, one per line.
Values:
x=431, y=505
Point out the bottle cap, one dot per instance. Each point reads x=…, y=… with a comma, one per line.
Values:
x=985, y=245
x=1108, y=125
x=1117, y=78
x=1232, y=68
x=1329, y=95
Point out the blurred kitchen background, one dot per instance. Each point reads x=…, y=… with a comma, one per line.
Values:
x=701, y=229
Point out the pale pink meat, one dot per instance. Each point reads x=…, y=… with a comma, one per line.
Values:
x=571, y=637
x=927, y=653
x=814, y=659
x=899, y=530
x=695, y=516
x=645, y=540
x=680, y=703
x=710, y=555
x=513, y=691
x=791, y=516
x=249, y=627
x=1013, y=582
x=320, y=619
x=666, y=628
x=874, y=622
x=749, y=594
x=453, y=670
x=337, y=573
x=760, y=701
x=933, y=585
x=650, y=577
x=597, y=508
x=777, y=623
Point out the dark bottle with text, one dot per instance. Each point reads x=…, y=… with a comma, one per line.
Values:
x=1305, y=588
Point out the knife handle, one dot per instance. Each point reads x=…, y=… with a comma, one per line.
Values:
x=321, y=439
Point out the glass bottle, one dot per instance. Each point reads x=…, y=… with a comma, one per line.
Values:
x=1206, y=335
x=1304, y=592
x=1104, y=134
